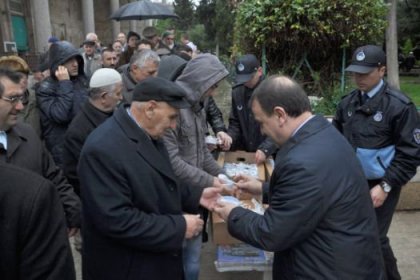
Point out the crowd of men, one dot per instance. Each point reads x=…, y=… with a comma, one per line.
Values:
x=109, y=146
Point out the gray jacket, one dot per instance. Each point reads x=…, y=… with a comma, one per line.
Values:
x=190, y=158
x=128, y=84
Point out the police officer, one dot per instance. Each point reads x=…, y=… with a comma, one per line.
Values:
x=382, y=125
x=243, y=129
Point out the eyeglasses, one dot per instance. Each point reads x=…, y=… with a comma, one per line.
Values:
x=14, y=99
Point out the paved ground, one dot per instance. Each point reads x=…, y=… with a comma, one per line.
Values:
x=405, y=239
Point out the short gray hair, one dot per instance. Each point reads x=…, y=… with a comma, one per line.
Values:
x=140, y=58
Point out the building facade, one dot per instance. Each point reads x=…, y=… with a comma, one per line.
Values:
x=26, y=25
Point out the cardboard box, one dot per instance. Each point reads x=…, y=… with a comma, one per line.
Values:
x=264, y=170
x=220, y=232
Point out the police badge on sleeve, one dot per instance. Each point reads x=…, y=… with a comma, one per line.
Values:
x=416, y=135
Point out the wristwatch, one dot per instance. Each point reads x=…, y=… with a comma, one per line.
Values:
x=385, y=186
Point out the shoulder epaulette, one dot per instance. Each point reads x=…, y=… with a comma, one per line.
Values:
x=398, y=95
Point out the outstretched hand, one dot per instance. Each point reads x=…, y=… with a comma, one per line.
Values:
x=209, y=197
x=247, y=184
x=223, y=209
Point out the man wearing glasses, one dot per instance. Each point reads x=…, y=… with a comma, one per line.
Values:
x=21, y=146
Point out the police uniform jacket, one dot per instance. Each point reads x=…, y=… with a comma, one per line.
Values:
x=243, y=128
x=385, y=132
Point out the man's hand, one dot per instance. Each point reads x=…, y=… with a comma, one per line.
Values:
x=194, y=225
x=220, y=186
x=225, y=139
x=260, y=157
x=209, y=198
x=62, y=73
x=378, y=196
x=211, y=147
x=223, y=209
x=72, y=232
x=247, y=184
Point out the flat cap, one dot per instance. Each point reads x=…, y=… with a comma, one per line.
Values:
x=89, y=43
x=366, y=58
x=104, y=77
x=159, y=89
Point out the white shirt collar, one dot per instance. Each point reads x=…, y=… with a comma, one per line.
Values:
x=3, y=139
x=376, y=89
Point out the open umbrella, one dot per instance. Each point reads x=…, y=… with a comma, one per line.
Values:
x=141, y=10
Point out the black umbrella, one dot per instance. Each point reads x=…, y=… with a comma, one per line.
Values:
x=143, y=9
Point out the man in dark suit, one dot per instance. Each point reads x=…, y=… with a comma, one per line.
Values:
x=33, y=237
x=21, y=146
x=134, y=211
x=320, y=221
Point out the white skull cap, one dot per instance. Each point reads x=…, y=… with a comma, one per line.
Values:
x=104, y=77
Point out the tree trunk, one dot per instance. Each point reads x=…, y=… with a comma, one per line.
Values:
x=392, y=46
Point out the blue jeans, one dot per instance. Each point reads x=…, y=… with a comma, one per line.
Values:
x=191, y=257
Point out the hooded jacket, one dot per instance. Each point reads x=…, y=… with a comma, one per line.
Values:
x=59, y=101
x=190, y=158
x=170, y=68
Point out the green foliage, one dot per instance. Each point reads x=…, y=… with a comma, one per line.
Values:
x=408, y=47
x=185, y=10
x=411, y=87
x=224, y=22
x=217, y=16
x=408, y=20
x=197, y=36
x=318, y=28
x=328, y=104
x=164, y=24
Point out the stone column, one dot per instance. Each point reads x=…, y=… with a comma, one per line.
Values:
x=42, y=24
x=116, y=27
x=133, y=25
x=88, y=16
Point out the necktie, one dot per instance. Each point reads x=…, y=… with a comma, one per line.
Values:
x=364, y=98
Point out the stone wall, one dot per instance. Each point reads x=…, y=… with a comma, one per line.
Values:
x=67, y=21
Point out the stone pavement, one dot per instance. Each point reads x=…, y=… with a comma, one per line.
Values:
x=405, y=240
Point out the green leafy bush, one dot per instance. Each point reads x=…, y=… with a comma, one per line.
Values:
x=319, y=29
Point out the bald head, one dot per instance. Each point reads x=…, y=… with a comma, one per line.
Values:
x=282, y=91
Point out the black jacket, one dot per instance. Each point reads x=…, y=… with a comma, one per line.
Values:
x=33, y=235
x=385, y=132
x=133, y=226
x=320, y=222
x=26, y=150
x=79, y=129
x=59, y=101
x=214, y=116
x=243, y=128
